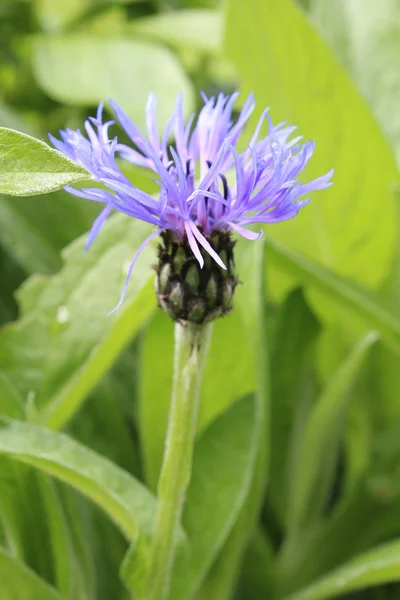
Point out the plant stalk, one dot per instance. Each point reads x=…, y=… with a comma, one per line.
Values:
x=191, y=347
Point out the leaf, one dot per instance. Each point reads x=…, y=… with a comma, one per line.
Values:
x=345, y=227
x=348, y=295
x=35, y=231
x=10, y=403
x=82, y=71
x=217, y=490
x=293, y=390
x=312, y=472
x=64, y=342
x=128, y=503
x=29, y=166
x=380, y=565
x=370, y=34
x=200, y=29
x=19, y=582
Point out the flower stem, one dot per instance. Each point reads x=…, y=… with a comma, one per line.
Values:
x=191, y=347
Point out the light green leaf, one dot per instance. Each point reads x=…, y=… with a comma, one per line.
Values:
x=54, y=16
x=345, y=293
x=370, y=33
x=64, y=342
x=83, y=70
x=345, y=227
x=29, y=166
x=317, y=450
x=197, y=28
x=17, y=581
x=129, y=504
x=380, y=565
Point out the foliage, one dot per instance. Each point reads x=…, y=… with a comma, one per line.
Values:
x=294, y=492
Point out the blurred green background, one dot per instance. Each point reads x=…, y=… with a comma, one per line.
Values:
x=312, y=479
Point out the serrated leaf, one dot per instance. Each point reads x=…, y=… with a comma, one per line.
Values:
x=29, y=166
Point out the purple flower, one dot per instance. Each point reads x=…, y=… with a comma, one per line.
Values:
x=197, y=195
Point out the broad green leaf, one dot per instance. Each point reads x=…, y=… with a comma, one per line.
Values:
x=65, y=342
x=82, y=71
x=312, y=473
x=200, y=29
x=371, y=35
x=29, y=166
x=128, y=503
x=34, y=231
x=296, y=74
x=18, y=582
x=217, y=490
x=340, y=290
x=380, y=565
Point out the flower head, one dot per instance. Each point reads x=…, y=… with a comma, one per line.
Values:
x=197, y=198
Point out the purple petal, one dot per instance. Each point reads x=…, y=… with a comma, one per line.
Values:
x=134, y=259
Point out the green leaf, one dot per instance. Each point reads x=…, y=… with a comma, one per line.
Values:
x=19, y=582
x=358, y=300
x=370, y=35
x=196, y=28
x=29, y=166
x=81, y=71
x=312, y=473
x=300, y=79
x=380, y=565
x=293, y=390
x=11, y=404
x=65, y=342
x=35, y=231
x=217, y=490
x=128, y=503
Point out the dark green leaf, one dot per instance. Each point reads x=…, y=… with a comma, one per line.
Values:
x=20, y=583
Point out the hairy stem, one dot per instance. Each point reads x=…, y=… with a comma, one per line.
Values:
x=191, y=347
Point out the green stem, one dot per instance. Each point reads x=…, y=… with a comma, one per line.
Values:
x=191, y=347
